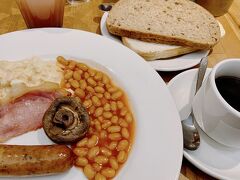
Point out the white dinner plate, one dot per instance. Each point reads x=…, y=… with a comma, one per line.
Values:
x=172, y=64
x=213, y=158
x=157, y=148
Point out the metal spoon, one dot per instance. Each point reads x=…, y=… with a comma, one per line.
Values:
x=105, y=7
x=190, y=133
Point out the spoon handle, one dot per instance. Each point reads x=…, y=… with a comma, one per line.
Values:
x=201, y=73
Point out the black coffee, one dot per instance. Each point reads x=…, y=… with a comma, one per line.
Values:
x=229, y=88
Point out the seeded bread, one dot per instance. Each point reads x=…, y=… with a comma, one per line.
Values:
x=153, y=51
x=178, y=22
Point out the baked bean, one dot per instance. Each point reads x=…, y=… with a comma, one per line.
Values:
x=122, y=156
x=91, y=72
x=105, y=79
x=80, y=71
x=100, y=118
x=96, y=101
x=89, y=171
x=81, y=152
x=87, y=103
x=114, y=129
x=114, y=119
x=106, y=124
x=112, y=89
x=99, y=89
x=76, y=75
x=82, y=66
x=97, y=167
x=123, y=123
x=122, y=145
x=112, y=145
x=105, y=151
x=92, y=110
x=113, y=163
x=100, y=177
x=71, y=65
x=115, y=136
x=68, y=75
x=70, y=80
x=90, y=89
x=82, y=142
x=74, y=84
x=100, y=84
x=91, y=130
x=81, y=161
x=99, y=95
x=92, y=141
x=62, y=61
x=98, y=126
x=123, y=111
x=128, y=117
x=91, y=123
x=125, y=133
x=101, y=159
x=117, y=95
x=120, y=104
x=82, y=84
x=113, y=106
x=107, y=107
x=79, y=92
x=108, y=86
x=91, y=82
x=104, y=100
x=107, y=95
x=98, y=112
x=107, y=115
x=103, y=134
x=108, y=172
x=93, y=152
x=98, y=76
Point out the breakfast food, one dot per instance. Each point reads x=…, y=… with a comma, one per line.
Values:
x=160, y=29
x=66, y=120
x=23, y=115
x=76, y=105
x=27, y=89
x=108, y=142
x=18, y=160
x=20, y=77
x=152, y=51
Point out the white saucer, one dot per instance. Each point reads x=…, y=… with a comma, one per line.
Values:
x=172, y=64
x=214, y=159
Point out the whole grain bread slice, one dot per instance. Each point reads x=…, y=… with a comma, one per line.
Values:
x=178, y=22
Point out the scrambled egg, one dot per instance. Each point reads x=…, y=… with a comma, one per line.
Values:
x=20, y=77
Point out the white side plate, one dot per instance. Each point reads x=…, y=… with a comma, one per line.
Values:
x=172, y=64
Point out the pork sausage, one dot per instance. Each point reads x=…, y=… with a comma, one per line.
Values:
x=18, y=160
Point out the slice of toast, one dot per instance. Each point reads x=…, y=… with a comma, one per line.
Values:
x=178, y=22
x=153, y=51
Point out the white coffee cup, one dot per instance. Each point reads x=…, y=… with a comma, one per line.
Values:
x=214, y=115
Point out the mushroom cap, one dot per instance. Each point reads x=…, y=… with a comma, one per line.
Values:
x=66, y=120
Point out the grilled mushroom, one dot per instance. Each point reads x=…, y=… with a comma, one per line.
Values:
x=66, y=120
